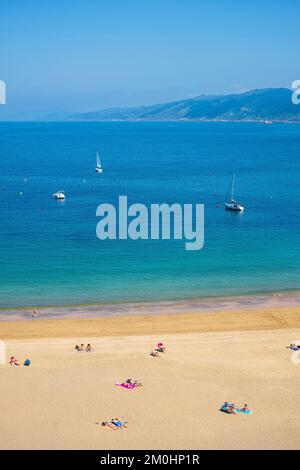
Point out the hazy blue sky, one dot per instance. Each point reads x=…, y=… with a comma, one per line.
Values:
x=91, y=54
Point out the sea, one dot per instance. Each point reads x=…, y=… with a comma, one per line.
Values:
x=50, y=254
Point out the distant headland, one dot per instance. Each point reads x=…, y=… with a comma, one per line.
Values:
x=262, y=105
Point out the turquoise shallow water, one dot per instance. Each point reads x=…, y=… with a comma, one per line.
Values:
x=49, y=252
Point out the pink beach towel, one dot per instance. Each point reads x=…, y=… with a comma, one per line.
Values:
x=124, y=385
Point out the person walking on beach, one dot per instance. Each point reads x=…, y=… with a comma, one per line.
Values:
x=34, y=315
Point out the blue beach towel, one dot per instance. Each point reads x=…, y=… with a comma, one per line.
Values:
x=246, y=412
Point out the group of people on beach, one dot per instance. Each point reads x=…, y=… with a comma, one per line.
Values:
x=14, y=362
x=230, y=408
x=130, y=384
x=82, y=348
x=115, y=423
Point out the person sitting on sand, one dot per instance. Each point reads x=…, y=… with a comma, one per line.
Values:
x=161, y=348
x=135, y=383
x=228, y=408
x=88, y=348
x=129, y=384
x=81, y=348
x=154, y=354
x=14, y=361
x=119, y=423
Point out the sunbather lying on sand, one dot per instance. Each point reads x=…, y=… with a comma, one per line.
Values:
x=14, y=361
x=293, y=346
x=119, y=423
x=108, y=425
x=154, y=354
x=130, y=384
x=134, y=382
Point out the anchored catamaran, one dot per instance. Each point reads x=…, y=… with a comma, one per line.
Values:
x=231, y=204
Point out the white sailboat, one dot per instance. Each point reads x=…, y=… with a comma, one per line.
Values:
x=231, y=204
x=98, y=164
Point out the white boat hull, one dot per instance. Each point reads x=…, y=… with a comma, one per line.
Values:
x=59, y=196
x=234, y=207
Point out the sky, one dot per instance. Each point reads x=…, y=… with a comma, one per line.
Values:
x=85, y=55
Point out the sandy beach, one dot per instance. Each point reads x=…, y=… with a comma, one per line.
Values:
x=211, y=357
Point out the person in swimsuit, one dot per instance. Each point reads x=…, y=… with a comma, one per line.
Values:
x=119, y=423
x=154, y=354
x=108, y=425
x=14, y=361
x=160, y=348
x=136, y=383
x=228, y=408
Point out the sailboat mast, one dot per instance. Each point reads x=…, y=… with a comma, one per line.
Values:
x=229, y=196
x=98, y=162
x=232, y=185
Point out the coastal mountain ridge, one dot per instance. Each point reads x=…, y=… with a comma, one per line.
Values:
x=268, y=104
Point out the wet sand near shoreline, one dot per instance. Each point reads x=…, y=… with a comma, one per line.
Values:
x=197, y=305
x=239, y=320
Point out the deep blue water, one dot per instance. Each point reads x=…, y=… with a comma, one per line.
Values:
x=49, y=252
